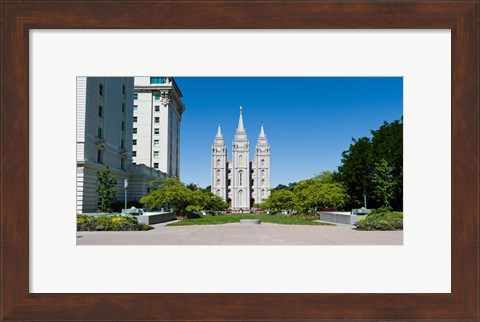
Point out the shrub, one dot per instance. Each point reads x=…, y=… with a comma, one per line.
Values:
x=381, y=219
x=109, y=223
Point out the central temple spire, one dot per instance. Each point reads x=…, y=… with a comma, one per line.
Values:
x=219, y=131
x=240, y=122
x=262, y=132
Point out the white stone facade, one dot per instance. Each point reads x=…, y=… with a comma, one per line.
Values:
x=240, y=182
x=104, y=136
x=157, y=113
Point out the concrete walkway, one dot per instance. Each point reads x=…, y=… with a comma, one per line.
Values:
x=236, y=234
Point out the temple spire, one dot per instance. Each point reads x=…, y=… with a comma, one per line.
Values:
x=262, y=132
x=240, y=122
x=219, y=131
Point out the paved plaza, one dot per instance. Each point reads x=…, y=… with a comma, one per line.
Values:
x=237, y=234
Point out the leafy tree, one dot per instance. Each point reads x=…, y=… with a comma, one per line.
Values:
x=360, y=160
x=106, y=189
x=205, y=200
x=214, y=203
x=301, y=191
x=159, y=183
x=198, y=201
x=356, y=169
x=312, y=194
x=279, y=200
x=383, y=183
x=172, y=194
x=387, y=144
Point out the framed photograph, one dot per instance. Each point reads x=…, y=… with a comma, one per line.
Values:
x=429, y=273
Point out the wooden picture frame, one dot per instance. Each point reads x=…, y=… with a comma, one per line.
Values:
x=18, y=17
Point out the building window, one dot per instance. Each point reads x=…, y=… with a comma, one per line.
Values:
x=134, y=130
x=135, y=107
x=99, y=156
x=134, y=153
x=135, y=96
x=240, y=178
x=134, y=142
x=218, y=162
x=156, y=131
x=123, y=107
x=240, y=160
x=122, y=144
x=157, y=108
x=100, y=89
x=123, y=125
x=218, y=192
x=263, y=162
x=263, y=173
x=156, y=142
x=263, y=192
x=123, y=89
x=100, y=111
x=218, y=173
x=156, y=154
x=99, y=132
x=135, y=119
x=158, y=80
x=155, y=165
x=263, y=182
x=157, y=120
x=157, y=97
x=218, y=182
x=122, y=164
x=240, y=195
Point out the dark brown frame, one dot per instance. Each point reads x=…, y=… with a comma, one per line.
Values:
x=18, y=17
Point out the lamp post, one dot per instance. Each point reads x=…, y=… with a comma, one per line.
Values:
x=365, y=195
x=125, y=185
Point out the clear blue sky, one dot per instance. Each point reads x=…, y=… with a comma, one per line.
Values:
x=309, y=121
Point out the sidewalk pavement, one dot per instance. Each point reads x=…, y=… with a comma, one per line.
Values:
x=236, y=234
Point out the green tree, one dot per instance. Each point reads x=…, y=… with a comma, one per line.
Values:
x=160, y=182
x=205, y=200
x=215, y=203
x=279, y=200
x=311, y=195
x=387, y=144
x=198, y=201
x=358, y=164
x=172, y=193
x=106, y=189
x=356, y=169
x=383, y=183
x=360, y=160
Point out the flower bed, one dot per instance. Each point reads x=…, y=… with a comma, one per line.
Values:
x=381, y=220
x=109, y=223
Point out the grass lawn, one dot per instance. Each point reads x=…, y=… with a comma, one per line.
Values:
x=235, y=218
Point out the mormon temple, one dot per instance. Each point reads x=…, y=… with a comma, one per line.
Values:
x=241, y=182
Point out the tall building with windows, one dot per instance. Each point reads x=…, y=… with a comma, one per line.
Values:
x=157, y=113
x=105, y=130
x=241, y=182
